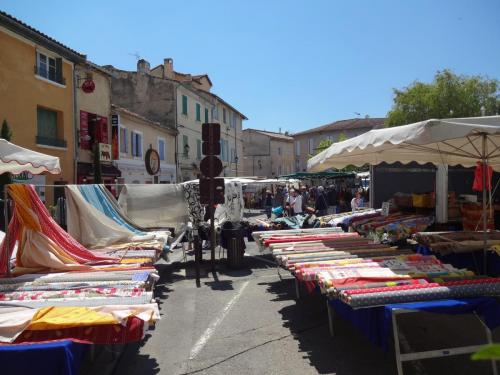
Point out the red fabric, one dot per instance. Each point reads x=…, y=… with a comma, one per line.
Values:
x=52, y=230
x=478, y=177
x=103, y=334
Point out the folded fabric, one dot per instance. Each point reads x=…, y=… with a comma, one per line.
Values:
x=14, y=320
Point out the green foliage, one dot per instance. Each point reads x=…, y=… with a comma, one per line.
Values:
x=323, y=145
x=487, y=352
x=448, y=95
x=6, y=132
x=342, y=137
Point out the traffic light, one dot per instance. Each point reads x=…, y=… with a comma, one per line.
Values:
x=210, y=135
x=211, y=186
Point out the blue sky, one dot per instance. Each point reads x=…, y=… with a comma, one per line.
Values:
x=288, y=64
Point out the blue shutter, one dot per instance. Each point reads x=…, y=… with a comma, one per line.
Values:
x=206, y=115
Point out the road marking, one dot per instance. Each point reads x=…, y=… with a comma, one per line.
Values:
x=202, y=341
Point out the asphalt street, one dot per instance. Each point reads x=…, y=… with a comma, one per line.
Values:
x=249, y=322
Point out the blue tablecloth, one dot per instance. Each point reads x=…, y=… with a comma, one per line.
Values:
x=376, y=323
x=49, y=358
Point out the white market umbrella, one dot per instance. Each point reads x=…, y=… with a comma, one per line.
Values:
x=457, y=141
x=16, y=159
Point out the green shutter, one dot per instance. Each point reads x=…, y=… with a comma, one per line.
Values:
x=184, y=105
x=198, y=112
x=206, y=115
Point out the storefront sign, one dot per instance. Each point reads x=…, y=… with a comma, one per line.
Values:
x=152, y=160
x=105, y=152
x=114, y=120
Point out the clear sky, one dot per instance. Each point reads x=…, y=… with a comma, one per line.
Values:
x=288, y=64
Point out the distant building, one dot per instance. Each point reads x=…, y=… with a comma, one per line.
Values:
x=37, y=96
x=135, y=135
x=267, y=154
x=306, y=142
x=182, y=102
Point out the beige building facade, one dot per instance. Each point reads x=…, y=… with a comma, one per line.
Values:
x=306, y=143
x=267, y=154
x=137, y=134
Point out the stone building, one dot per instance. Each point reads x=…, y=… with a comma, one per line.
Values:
x=267, y=154
x=181, y=102
x=135, y=134
x=306, y=142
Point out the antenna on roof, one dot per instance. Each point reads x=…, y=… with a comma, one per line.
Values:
x=136, y=55
x=357, y=113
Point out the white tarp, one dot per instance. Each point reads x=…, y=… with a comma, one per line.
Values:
x=457, y=141
x=232, y=209
x=16, y=159
x=154, y=205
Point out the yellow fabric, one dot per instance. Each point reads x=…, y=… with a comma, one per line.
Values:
x=67, y=317
x=135, y=260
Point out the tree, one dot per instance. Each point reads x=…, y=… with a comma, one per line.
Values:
x=323, y=145
x=6, y=132
x=342, y=137
x=448, y=95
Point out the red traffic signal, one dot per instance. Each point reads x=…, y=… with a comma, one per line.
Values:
x=212, y=184
x=210, y=134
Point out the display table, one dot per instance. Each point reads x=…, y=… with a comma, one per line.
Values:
x=376, y=323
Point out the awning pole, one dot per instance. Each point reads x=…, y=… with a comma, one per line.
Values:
x=6, y=218
x=485, y=209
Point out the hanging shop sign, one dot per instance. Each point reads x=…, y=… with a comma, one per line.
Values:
x=115, y=139
x=88, y=86
x=105, y=152
x=152, y=161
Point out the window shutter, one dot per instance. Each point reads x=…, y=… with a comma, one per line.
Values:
x=132, y=143
x=206, y=115
x=59, y=77
x=104, y=130
x=139, y=144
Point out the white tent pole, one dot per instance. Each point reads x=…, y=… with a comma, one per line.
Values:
x=485, y=210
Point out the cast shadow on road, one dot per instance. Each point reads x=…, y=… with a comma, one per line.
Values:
x=346, y=354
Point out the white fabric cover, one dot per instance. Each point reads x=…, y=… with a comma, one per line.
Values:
x=232, y=209
x=154, y=205
x=16, y=159
x=448, y=141
x=91, y=227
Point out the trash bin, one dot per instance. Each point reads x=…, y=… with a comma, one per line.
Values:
x=232, y=238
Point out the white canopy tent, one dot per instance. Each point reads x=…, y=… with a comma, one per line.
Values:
x=456, y=141
x=16, y=159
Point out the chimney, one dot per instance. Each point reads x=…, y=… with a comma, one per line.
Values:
x=143, y=66
x=168, y=68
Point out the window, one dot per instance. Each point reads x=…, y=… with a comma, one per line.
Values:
x=49, y=67
x=297, y=165
x=206, y=115
x=198, y=112
x=279, y=170
x=224, y=115
x=198, y=149
x=224, y=150
x=47, y=128
x=136, y=143
x=311, y=146
x=297, y=148
x=184, y=105
x=185, y=142
x=161, y=148
x=123, y=140
x=215, y=113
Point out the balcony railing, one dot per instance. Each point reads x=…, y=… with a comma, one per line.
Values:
x=46, y=141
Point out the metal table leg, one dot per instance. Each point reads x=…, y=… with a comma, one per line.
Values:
x=330, y=317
